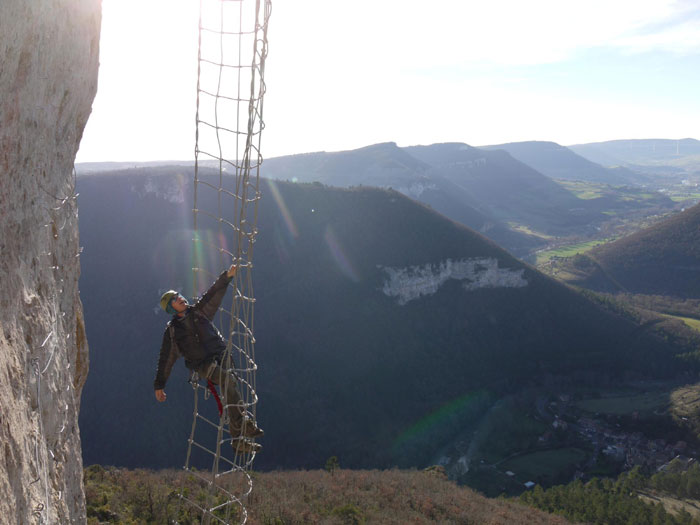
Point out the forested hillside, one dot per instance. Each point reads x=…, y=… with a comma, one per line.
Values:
x=510, y=189
x=661, y=260
x=373, y=315
x=388, y=166
x=670, y=496
x=523, y=196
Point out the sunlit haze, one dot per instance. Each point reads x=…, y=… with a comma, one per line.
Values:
x=342, y=75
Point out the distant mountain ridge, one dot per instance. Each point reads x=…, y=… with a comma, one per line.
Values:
x=643, y=153
x=655, y=156
x=518, y=206
x=388, y=166
x=372, y=313
x=489, y=190
x=484, y=190
x=559, y=162
x=508, y=188
x=637, y=151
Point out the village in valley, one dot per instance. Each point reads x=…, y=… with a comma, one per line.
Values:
x=610, y=440
x=575, y=436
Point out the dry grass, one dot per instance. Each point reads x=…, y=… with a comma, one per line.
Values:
x=387, y=497
x=672, y=505
x=685, y=401
x=312, y=497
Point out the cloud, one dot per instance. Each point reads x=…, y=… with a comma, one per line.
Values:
x=343, y=74
x=411, y=33
x=680, y=38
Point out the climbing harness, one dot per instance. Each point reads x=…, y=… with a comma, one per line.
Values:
x=212, y=389
x=229, y=124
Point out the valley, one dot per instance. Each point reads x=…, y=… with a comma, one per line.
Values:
x=629, y=210
x=548, y=437
x=404, y=338
x=404, y=329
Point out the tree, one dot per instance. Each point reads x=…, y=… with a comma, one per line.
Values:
x=332, y=464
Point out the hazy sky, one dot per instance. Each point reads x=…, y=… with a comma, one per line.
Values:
x=342, y=74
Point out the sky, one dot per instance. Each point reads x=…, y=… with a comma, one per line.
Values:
x=343, y=74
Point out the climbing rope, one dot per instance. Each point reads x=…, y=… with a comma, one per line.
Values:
x=229, y=123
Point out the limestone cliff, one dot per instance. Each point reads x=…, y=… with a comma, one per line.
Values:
x=48, y=78
x=407, y=284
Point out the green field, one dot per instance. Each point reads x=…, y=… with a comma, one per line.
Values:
x=638, y=197
x=583, y=190
x=544, y=465
x=692, y=323
x=568, y=250
x=685, y=197
x=586, y=190
x=528, y=231
x=646, y=402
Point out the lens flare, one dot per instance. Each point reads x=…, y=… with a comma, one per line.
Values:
x=210, y=255
x=281, y=246
x=284, y=211
x=339, y=256
x=446, y=421
x=170, y=258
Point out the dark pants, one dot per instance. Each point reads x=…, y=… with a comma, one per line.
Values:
x=229, y=392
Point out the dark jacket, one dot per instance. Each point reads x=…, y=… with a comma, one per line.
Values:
x=196, y=337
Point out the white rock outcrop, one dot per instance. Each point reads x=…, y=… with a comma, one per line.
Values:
x=416, y=189
x=407, y=284
x=48, y=79
x=162, y=188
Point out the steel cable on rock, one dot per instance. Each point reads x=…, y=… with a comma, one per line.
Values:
x=67, y=206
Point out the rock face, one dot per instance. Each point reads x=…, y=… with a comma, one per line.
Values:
x=413, y=282
x=48, y=79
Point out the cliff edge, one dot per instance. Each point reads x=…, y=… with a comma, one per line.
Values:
x=48, y=79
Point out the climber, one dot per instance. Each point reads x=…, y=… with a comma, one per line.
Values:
x=192, y=333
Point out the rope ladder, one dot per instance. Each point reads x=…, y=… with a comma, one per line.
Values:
x=229, y=124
